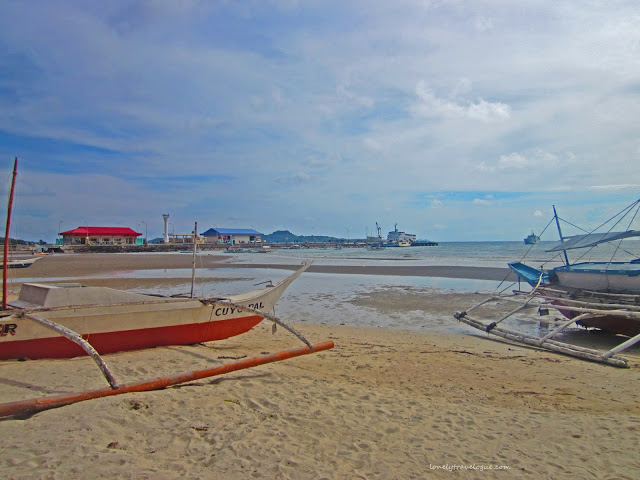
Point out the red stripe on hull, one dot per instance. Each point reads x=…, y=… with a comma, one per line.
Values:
x=109, y=342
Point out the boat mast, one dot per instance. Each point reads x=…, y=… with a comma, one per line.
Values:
x=195, y=248
x=5, y=264
x=555, y=215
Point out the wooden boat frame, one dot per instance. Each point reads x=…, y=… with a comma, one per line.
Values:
x=586, y=305
x=31, y=406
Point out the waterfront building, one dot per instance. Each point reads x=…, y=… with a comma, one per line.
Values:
x=101, y=236
x=232, y=236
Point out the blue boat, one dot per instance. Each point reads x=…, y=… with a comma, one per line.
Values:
x=601, y=295
x=609, y=284
x=621, y=277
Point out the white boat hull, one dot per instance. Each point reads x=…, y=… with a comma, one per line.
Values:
x=600, y=277
x=112, y=321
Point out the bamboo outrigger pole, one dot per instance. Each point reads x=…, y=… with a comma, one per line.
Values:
x=5, y=264
x=76, y=338
x=560, y=347
x=34, y=405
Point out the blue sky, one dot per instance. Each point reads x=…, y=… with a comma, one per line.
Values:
x=457, y=120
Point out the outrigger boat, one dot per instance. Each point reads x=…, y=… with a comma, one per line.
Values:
x=113, y=320
x=21, y=262
x=600, y=295
x=68, y=320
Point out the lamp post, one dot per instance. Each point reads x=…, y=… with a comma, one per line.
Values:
x=145, y=231
x=60, y=229
x=86, y=241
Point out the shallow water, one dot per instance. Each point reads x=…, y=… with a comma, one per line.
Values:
x=326, y=298
x=317, y=297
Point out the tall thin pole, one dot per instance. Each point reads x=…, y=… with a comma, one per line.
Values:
x=195, y=248
x=555, y=215
x=5, y=264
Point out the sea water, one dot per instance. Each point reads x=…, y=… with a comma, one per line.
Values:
x=473, y=254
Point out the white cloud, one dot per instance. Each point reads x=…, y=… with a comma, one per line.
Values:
x=462, y=87
x=430, y=105
x=373, y=144
x=484, y=24
x=487, y=112
x=513, y=160
x=354, y=98
x=630, y=186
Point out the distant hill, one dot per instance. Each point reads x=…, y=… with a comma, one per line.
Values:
x=285, y=236
x=15, y=241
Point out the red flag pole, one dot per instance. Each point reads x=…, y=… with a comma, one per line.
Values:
x=5, y=264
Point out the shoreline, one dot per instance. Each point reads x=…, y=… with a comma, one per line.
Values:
x=62, y=265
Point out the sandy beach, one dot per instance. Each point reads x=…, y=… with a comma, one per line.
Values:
x=383, y=404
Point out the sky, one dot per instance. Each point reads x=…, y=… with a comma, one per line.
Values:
x=456, y=120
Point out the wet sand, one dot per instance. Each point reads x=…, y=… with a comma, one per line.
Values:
x=383, y=404
x=91, y=264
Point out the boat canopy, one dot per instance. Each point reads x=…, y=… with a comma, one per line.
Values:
x=593, y=239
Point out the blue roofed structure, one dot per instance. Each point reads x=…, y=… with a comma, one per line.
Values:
x=232, y=235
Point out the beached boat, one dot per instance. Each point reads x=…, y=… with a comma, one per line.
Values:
x=69, y=320
x=531, y=239
x=45, y=320
x=600, y=295
x=610, y=276
x=21, y=262
x=113, y=320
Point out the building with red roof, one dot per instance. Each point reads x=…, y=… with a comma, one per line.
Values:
x=100, y=236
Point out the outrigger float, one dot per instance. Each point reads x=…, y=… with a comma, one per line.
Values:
x=598, y=295
x=542, y=302
x=69, y=320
